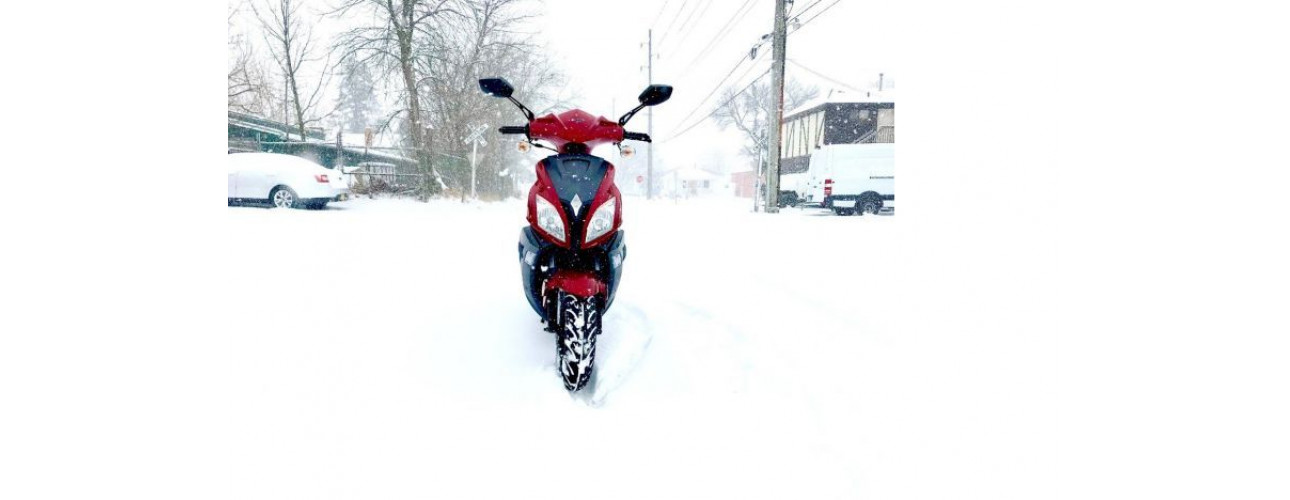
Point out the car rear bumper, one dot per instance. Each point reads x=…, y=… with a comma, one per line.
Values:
x=322, y=192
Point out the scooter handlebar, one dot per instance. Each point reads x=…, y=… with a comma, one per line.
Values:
x=636, y=136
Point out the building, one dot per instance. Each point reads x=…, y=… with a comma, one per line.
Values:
x=744, y=182
x=692, y=181
x=252, y=133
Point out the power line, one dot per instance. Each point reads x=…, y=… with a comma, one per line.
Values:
x=719, y=106
x=818, y=14
x=807, y=8
x=740, y=78
x=687, y=33
x=714, y=89
x=740, y=13
x=821, y=75
x=672, y=23
x=660, y=14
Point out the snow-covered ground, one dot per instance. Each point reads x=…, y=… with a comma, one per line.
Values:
x=385, y=350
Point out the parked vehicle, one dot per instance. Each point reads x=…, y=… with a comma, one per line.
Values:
x=853, y=178
x=840, y=154
x=571, y=253
x=283, y=181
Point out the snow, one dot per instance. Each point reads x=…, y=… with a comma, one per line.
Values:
x=386, y=351
x=841, y=97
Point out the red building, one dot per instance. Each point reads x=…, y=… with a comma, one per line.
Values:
x=745, y=183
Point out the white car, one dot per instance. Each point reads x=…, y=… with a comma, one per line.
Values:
x=283, y=180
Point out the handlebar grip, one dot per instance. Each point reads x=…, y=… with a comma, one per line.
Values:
x=636, y=136
x=517, y=129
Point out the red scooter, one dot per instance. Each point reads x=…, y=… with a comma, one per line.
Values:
x=572, y=251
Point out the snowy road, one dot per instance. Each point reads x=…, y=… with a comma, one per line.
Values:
x=386, y=351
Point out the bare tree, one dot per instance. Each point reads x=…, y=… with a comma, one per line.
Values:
x=749, y=113
x=248, y=88
x=291, y=43
x=406, y=29
x=484, y=43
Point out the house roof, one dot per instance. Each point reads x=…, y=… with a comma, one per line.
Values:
x=695, y=174
x=268, y=126
x=840, y=97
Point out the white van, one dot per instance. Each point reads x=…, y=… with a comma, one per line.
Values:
x=853, y=178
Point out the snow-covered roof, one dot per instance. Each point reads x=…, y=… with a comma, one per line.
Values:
x=265, y=125
x=379, y=140
x=694, y=174
x=840, y=97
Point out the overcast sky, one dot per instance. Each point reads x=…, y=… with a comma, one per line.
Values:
x=600, y=45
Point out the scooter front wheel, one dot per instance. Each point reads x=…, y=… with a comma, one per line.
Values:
x=579, y=320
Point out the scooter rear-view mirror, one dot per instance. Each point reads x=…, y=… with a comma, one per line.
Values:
x=496, y=87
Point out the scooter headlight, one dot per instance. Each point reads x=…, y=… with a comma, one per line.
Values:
x=549, y=221
x=601, y=221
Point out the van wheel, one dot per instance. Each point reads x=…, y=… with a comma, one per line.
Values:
x=869, y=205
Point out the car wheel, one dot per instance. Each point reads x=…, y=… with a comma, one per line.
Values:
x=283, y=197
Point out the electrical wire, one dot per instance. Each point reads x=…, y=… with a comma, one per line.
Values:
x=686, y=33
x=818, y=14
x=719, y=106
x=660, y=14
x=671, y=24
x=821, y=75
x=740, y=13
x=806, y=9
x=715, y=89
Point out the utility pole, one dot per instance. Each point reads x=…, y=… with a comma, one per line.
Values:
x=776, y=107
x=649, y=150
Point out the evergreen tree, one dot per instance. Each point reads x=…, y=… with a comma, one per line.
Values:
x=356, y=106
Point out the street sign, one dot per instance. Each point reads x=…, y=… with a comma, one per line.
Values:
x=477, y=135
x=475, y=139
x=368, y=136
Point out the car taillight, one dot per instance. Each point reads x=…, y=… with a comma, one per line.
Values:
x=828, y=187
x=321, y=177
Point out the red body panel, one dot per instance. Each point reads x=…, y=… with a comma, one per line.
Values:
x=575, y=126
x=580, y=283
